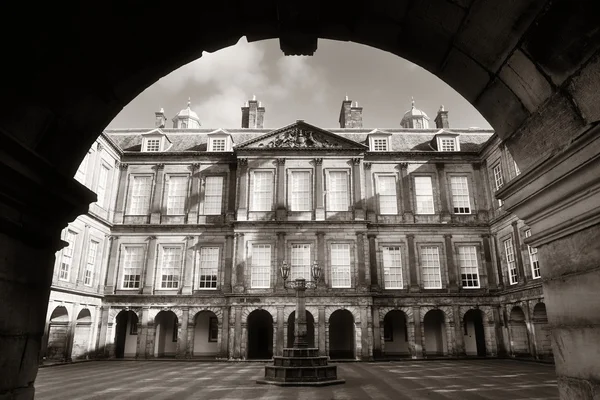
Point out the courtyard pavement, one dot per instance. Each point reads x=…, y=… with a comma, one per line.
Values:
x=431, y=380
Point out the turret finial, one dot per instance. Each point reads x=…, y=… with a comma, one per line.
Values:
x=413, y=101
x=189, y=101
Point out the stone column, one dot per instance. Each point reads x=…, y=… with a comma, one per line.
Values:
x=453, y=285
x=530, y=330
x=242, y=178
x=443, y=186
x=157, y=194
x=319, y=191
x=498, y=262
x=120, y=205
x=406, y=193
x=518, y=254
x=459, y=342
x=412, y=264
x=226, y=288
x=418, y=333
x=224, y=350
x=237, y=339
x=240, y=263
x=71, y=332
x=182, y=342
x=479, y=195
x=113, y=259
x=498, y=324
x=364, y=334
x=280, y=259
x=281, y=211
x=188, y=266
x=487, y=260
x=281, y=332
x=322, y=258
x=377, y=333
x=142, y=339
x=359, y=212
x=373, y=267
x=194, y=195
x=149, y=266
x=322, y=332
x=370, y=199
x=232, y=188
x=360, y=249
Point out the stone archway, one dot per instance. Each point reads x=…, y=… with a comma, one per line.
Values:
x=82, y=334
x=342, y=341
x=517, y=330
x=434, y=330
x=529, y=67
x=310, y=329
x=126, y=334
x=167, y=334
x=260, y=335
x=206, y=334
x=542, y=331
x=58, y=332
x=395, y=334
x=474, y=333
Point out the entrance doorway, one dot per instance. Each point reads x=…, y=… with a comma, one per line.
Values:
x=395, y=334
x=310, y=329
x=206, y=334
x=167, y=331
x=474, y=333
x=82, y=335
x=126, y=334
x=519, y=340
x=435, y=333
x=542, y=331
x=57, y=334
x=260, y=335
x=341, y=335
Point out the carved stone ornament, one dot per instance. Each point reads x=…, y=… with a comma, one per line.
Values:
x=301, y=138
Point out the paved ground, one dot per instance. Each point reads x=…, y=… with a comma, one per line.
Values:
x=431, y=380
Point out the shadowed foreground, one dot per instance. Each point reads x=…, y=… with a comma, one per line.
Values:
x=151, y=380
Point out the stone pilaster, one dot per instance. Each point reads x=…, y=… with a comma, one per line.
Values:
x=373, y=267
x=224, y=350
x=370, y=198
x=479, y=196
x=280, y=259
x=240, y=263
x=418, y=345
x=157, y=194
x=451, y=266
x=377, y=332
x=443, y=186
x=459, y=342
x=322, y=332
x=142, y=339
x=194, y=195
x=362, y=283
x=120, y=206
x=281, y=333
x=322, y=259
x=242, y=178
x=237, y=340
x=487, y=261
x=319, y=190
x=150, y=266
x=232, y=189
x=518, y=254
x=412, y=264
x=227, y=273
x=280, y=209
x=359, y=212
x=182, y=341
x=188, y=266
x=406, y=193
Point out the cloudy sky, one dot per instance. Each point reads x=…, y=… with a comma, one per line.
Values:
x=291, y=88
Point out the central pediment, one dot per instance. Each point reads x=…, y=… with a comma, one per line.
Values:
x=299, y=136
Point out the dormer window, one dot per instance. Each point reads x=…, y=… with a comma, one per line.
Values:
x=153, y=145
x=445, y=141
x=218, y=145
x=447, y=144
x=219, y=140
x=379, y=141
x=380, y=145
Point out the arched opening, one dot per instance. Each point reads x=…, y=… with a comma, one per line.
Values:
x=542, y=331
x=260, y=335
x=474, y=333
x=434, y=327
x=395, y=334
x=82, y=334
x=206, y=334
x=341, y=335
x=58, y=334
x=310, y=329
x=126, y=334
x=517, y=328
x=166, y=336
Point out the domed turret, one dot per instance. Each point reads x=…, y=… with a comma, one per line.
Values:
x=415, y=118
x=186, y=118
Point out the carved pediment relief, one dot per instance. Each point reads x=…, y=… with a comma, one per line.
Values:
x=301, y=136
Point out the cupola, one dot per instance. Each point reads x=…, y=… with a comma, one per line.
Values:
x=186, y=119
x=415, y=118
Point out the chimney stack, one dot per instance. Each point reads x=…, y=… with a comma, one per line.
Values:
x=350, y=114
x=160, y=120
x=441, y=120
x=253, y=114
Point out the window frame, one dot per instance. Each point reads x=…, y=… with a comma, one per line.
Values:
x=200, y=268
x=101, y=198
x=416, y=198
x=535, y=264
x=67, y=254
x=255, y=269
x=335, y=268
x=131, y=179
x=160, y=282
x=153, y=144
x=378, y=177
x=88, y=280
x=443, y=148
x=205, y=180
x=400, y=249
x=213, y=329
x=168, y=195
x=307, y=266
x=122, y=266
x=422, y=266
x=461, y=195
x=328, y=190
x=507, y=256
x=462, y=267
x=254, y=192
x=373, y=139
x=290, y=187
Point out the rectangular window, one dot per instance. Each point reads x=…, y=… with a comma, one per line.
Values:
x=82, y=170
x=469, y=268
x=517, y=170
x=133, y=257
x=213, y=195
x=340, y=265
x=392, y=267
x=386, y=191
x=260, y=276
x=533, y=258
x=498, y=179
x=170, y=267
x=460, y=195
x=262, y=192
x=67, y=256
x=153, y=145
x=430, y=261
x=510, y=261
x=209, y=268
x=133, y=328
x=91, y=263
x=300, y=262
x=300, y=191
x=177, y=187
x=338, y=191
x=448, y=144
x=424, y=195
x=213, y=329
x=102, y=184
x=218, y=145
x=380, y=144
x=139, y=200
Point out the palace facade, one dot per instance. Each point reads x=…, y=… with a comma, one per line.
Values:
x=180, y=255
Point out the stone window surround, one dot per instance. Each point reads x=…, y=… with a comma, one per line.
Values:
x=405, y=262
x=251, y=179
x=481, y=273
x=504, y=261
x=353, y=263
x=375, y=177
x=312, y=242
x=120, y=265
x=289, y=172
x=196, y=266
x=158, y=259
x=326, y=185
x=248, y=270
x=130, y=178
x=434, y=191
x=470, y=188
x=443, y=266
x=165, y=194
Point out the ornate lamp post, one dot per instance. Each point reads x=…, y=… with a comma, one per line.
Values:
x=300, y=365
x=300, y=285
